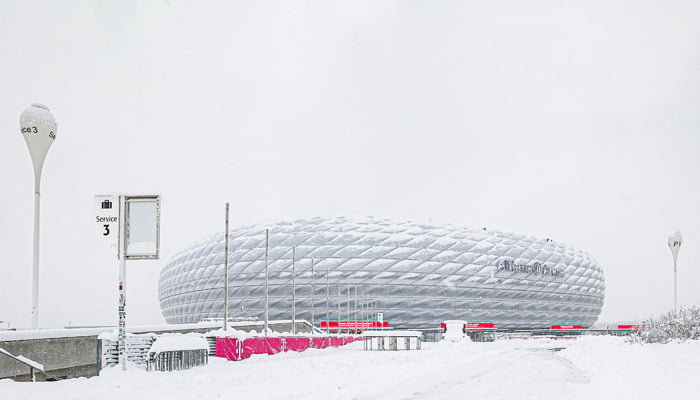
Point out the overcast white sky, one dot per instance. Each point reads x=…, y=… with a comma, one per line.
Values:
x=575, y=122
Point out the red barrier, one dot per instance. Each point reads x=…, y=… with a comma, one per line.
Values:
x=320, y=342
x=227, y=348
x=297, y=344
x=235, y=349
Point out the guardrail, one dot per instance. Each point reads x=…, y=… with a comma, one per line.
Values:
x=176, y=360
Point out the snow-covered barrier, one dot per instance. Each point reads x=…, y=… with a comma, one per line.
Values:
x=165, y=352
x=236, y=349
x=178, y=352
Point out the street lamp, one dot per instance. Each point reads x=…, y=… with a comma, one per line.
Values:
x=674, y=243
x=38, y=127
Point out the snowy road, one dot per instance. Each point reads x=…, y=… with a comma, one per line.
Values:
x=537, y=369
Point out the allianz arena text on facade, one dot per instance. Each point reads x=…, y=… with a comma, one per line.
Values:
x=417, y=275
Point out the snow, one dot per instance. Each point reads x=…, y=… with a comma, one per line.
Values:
x=24, y=359
x=31, y=363
x=392, y=333
x=589, y=367
x=172, y=342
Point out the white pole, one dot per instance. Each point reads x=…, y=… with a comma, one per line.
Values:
x=355, y=309
x=121, y=338
x=267, y=250
x=675, y=286
x=226, y=273
x=348, y=307
x=339, y=316
x=328, y=300
x=362, y=309
x=313, y=298
x=35, y=255
x=294, y=292
x=674, y=243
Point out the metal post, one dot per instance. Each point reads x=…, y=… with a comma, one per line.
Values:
x=339, y=316
x=355, y=309
x=226, y=273
x=35, y=258
x=675, y=286
x=362, y=310
x=313, y=299
x=267, y=251
x=328, y=299
x=294, y=291
x=674, y=243
x=347, y=304
x=121, y=338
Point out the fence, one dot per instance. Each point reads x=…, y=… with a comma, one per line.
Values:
x=176, y=360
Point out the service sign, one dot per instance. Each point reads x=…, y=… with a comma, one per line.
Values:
x=107, y=220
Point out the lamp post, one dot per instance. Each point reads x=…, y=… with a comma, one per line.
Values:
x=674, y=243
x=38, y=127
x=294, y=291
x=226, y=273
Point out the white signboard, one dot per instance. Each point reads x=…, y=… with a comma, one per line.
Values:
x=142, y=216
x=107, y=220
x=380, y=317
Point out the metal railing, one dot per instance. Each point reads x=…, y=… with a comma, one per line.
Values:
x=177, y=360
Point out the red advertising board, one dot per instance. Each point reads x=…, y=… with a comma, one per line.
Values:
x=631, y=327
x=480, y=326
x=565, y=327
x=351, y=326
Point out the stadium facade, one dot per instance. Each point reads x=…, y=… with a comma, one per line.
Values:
x=416, y=274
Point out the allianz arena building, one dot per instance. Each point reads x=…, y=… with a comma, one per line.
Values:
x=417, y=275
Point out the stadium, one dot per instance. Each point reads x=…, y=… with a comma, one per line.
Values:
x=417, y=275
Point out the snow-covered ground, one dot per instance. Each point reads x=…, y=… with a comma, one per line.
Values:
x=589, y=367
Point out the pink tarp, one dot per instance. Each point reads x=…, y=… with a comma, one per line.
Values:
x=234, y=349
x=297, y=344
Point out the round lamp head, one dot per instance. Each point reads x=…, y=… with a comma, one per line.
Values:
x=674, y=243
x=38, y=127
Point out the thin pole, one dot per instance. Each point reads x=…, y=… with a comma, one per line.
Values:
x=328, y=299
x=121, y=338
x=267, y=251
x=675, y=287
x=226, y=273
x=348, y=307
x=355, y=309
x=35, y=257
x=294, y=292
x=362, y=309
x=313, y=289
x=339, y=316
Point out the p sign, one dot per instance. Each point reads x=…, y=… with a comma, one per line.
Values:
x=107, y=220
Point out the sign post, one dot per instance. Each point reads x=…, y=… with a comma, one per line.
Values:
x=130, y=227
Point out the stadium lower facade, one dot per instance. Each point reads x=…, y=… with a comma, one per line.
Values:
x=417, y=275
